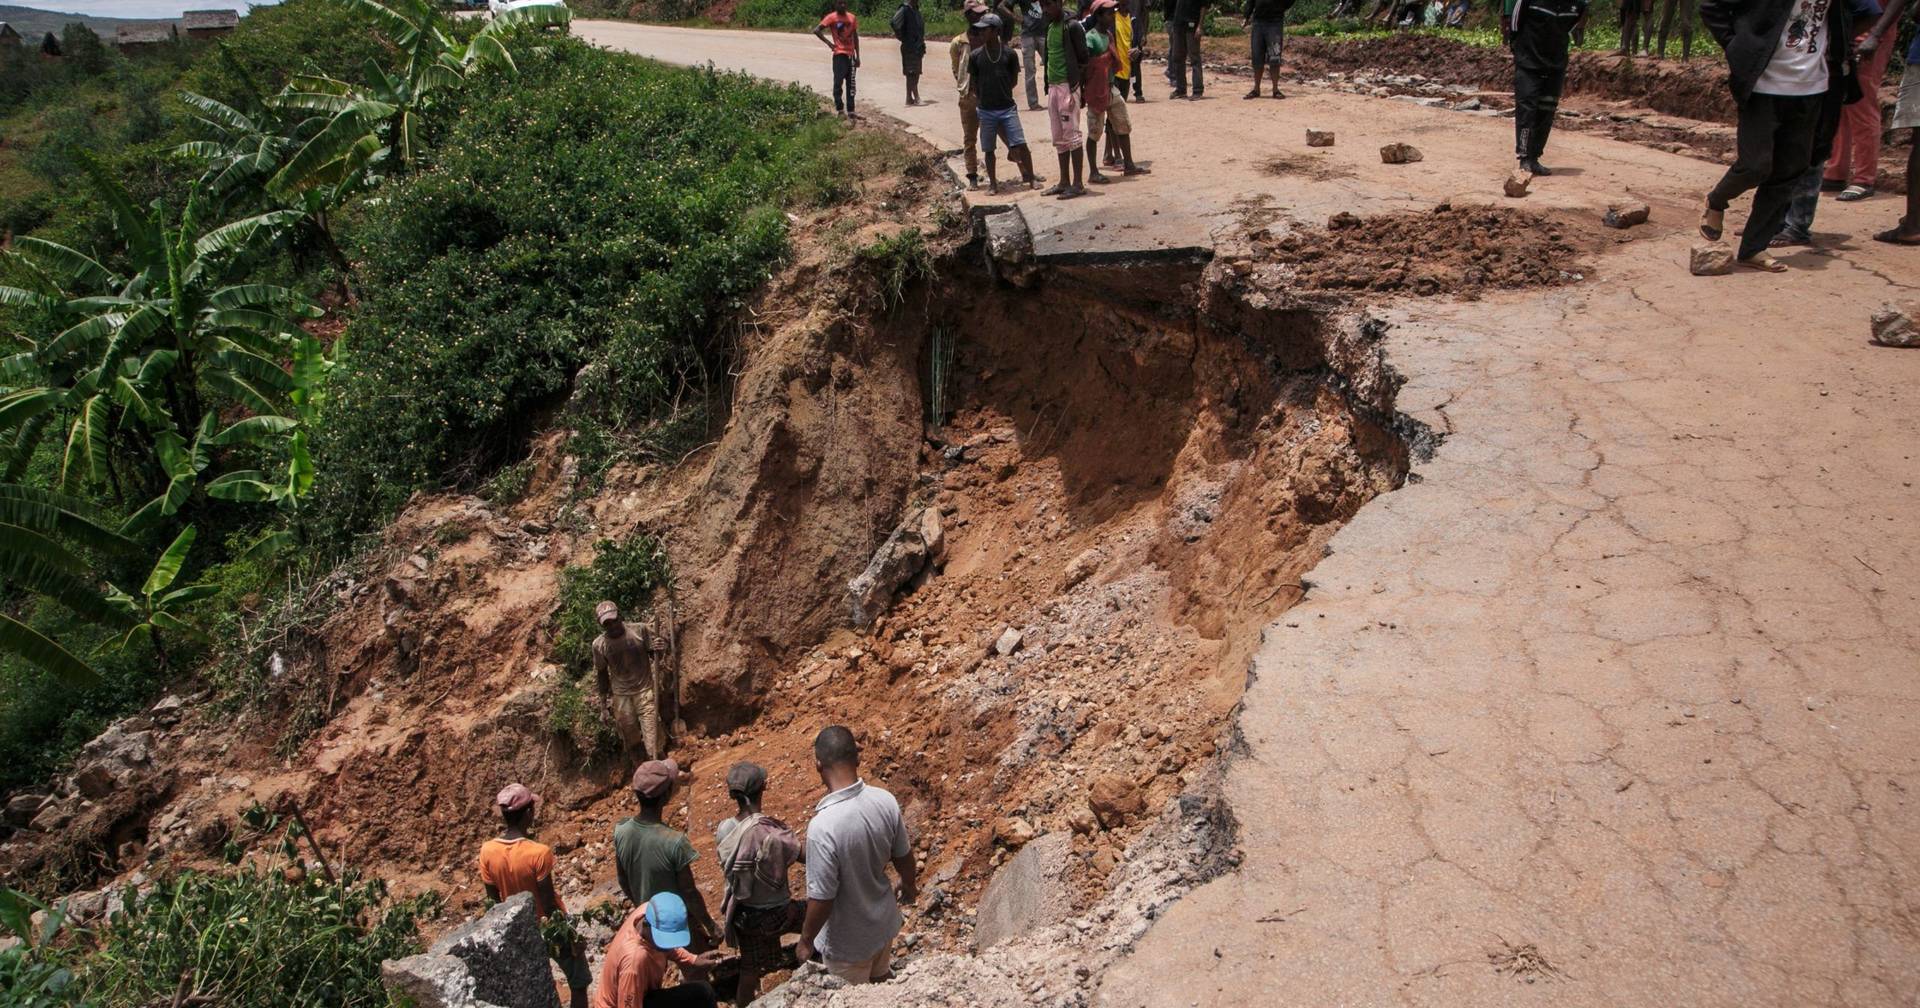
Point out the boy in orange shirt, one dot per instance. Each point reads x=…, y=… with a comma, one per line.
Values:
x=845, y=44
x=516, y=863
x=635, y=973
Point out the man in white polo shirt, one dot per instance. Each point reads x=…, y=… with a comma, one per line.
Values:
x=853, y=911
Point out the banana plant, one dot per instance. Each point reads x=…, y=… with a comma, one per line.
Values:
x=378, y=119
x=36, y=527
x=134, y=354
x=157, y=608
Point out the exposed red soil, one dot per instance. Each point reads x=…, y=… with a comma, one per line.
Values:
x=1453, y=251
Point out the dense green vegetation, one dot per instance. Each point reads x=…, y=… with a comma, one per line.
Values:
x=270, y=932
x=556, y=232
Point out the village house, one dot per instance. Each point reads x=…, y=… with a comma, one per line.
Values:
x=209, y=23
x=9, y=36
x=134, y=38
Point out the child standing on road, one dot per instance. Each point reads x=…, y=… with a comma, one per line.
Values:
x=992, y=70
x=844, y=28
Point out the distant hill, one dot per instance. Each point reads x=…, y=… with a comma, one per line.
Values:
x=31, y=22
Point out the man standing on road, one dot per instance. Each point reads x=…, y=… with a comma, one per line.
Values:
x=1183, y=45
x=515, y=863
x=992, y=70
x=853, y=913
x=626, y=662
x=910, y=30
x=844, y=28
x=1139, y=23
x=1853, y=167
x=1266, y=23
x=650, y=857
x=959, y=51
x=1033, y=44
x=1906, y=116
x=1066, y=70
x=1782, y=55
x=1540, y=33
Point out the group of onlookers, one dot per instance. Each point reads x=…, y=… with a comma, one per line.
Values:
x=847, y=922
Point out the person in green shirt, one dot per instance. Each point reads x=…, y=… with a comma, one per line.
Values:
x=651, y=857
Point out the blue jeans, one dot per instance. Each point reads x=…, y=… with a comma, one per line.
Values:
x=1003, y=123
x=1806, y=199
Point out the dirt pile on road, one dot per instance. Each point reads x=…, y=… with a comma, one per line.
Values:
x=1457, y=251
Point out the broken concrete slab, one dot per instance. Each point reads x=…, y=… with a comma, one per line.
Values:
x=1010, y=248
x=1626, y=214
x=1027, y=893
x=497, y=961
x=1897, y=324
x=1008, y=642
x=1710, y=260
x=1400, y=153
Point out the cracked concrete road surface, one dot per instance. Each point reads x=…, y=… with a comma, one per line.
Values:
x=1618, y=701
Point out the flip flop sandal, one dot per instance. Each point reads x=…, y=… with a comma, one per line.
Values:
x=1712, y=232
x=1852, y=193
x=1055, y=190
x=1763, y=262
x=1892, y=236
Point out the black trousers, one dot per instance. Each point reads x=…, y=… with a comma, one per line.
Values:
x=687, y=995
x=1183, y=50
x=1540, y=47
x=842, y=76
x=1773, y=145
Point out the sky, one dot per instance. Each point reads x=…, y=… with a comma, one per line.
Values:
x=135, y=8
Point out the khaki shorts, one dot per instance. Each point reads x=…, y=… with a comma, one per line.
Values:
x=1117, y=115
x=880, y=967
x=1906, y=112
x=636, y=717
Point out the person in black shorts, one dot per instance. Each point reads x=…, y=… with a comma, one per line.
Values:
x=1266, y=24
x=910, y=30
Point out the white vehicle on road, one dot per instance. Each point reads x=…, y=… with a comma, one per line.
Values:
x=501, y=7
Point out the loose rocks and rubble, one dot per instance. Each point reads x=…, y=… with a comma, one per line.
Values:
x=1319, y=138
x=1400, y=153
x=1897, y=324
x=1710, y=260
x=1626, y=214
x=498, y=961
x=1517, y=183
x=1445, y=251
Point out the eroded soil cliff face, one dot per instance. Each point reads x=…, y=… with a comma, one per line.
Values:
x=1134, y=470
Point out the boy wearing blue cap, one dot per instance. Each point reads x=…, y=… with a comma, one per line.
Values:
x=635, y=973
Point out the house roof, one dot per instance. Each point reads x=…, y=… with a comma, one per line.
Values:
x=141, y=34
x=203, y=19
x=7, y=31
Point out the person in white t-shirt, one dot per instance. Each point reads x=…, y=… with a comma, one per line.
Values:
x=1782, y=56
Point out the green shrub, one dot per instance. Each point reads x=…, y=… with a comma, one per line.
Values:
x=509, y=485
x=573, y=714
x=595, y=217
x=625, y=572
x=260, y=935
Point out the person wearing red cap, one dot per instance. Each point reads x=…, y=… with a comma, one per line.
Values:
x=651, y=857
x=515, y=863
x=626, y=665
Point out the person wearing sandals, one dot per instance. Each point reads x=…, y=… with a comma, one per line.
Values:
x=1782, y=57
x=1906, y=116
x=1834, y=106
x=1066, y=64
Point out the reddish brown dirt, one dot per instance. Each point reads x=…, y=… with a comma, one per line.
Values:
x=1452, y=251
x=1138, y=493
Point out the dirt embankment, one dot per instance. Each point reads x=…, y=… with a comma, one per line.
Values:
x=1137, y=468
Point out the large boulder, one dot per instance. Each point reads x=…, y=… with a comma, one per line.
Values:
x=1027, y=893
x=497, y=961
x=116, y=758
x=1010, y=247
x=898, y=561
